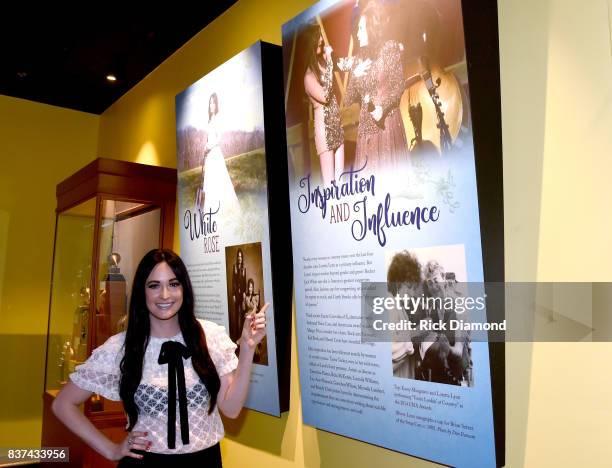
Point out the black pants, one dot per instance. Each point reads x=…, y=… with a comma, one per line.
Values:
x=207, y=458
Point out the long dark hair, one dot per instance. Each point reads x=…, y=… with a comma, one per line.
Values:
x=139, y=329
x=376, y=20
x=404, y=268
x=312, y=36
x=213, y=97
x=250, y=281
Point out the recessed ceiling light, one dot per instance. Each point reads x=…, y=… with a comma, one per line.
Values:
x=111, y=78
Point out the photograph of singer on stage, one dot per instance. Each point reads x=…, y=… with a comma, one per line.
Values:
x=375, y=84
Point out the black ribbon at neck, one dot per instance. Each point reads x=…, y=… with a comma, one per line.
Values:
x=173, y=353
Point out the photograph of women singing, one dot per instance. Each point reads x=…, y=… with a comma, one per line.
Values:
x=318, y=84
x=217, y=190
x=165, y=349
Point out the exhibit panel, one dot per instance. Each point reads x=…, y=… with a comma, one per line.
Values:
x=233, y=210
x=383, y=189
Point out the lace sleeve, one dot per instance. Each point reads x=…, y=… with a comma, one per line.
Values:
x=221, y=348
x=353, y=91
x=393, y=76
x=100, y=373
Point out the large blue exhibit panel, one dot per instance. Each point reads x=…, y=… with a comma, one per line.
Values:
x=382, y=186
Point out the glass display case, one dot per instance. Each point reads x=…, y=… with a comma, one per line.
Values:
x=109, y=214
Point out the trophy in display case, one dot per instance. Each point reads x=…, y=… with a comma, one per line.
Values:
x=109, y=214
x=80, y=326
x=113, y=300
x=66, y=362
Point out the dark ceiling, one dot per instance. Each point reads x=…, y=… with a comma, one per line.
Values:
x=59, y=59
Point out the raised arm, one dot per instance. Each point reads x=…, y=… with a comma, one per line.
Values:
x=314, y=89
x=235, y=385
x=353, y=90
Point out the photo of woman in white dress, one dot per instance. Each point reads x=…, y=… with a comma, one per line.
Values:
x=217, y=192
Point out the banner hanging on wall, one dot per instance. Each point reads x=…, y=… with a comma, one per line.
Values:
x=383, y=189
x=227, y=189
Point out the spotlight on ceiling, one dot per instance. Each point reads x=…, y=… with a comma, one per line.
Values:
x=111, y=78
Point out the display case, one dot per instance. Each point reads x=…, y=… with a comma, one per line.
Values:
x=109, y=214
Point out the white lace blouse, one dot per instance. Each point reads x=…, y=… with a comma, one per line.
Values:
x=100, y=374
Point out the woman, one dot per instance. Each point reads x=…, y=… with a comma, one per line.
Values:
x=250, y=304
x=377, y=84
x=444, y=354
x=250, y=300
x=217, y=187
x=138, y=366
x=404, y=279
x=318, y=84
x=239, y=283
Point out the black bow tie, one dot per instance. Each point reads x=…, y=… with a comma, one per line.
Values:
x=173, y=353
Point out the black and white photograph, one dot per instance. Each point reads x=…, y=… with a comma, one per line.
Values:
x=431, y=276
x=245, y=291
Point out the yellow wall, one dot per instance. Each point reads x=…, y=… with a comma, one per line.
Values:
x=556, y=69
x=556, y=72
x=39, y=146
